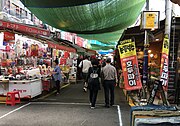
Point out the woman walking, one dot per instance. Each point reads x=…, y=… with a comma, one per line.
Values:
x=93, y=81
x=57, y=75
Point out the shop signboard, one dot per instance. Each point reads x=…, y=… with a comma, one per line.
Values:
x=150, y=20
x=128, y=57
x=79, y=41
x=9, y=37
x=67, y=36
x=60, y=47
x=23, y=28
x=164, y=62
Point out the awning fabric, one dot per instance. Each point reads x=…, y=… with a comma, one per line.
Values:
x=102, y=20
x=57, y=3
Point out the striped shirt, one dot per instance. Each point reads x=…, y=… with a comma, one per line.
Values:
x=109, y=72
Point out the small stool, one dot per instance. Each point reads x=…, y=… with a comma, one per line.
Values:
x=11, y=98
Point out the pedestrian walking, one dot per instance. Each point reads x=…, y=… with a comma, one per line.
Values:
x=57, y=75
x=93, y=80
x=110, y=80
x=85, y=65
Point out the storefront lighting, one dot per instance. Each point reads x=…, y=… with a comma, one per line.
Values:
x=151, y=55
x=152, y=29
x=157, y=39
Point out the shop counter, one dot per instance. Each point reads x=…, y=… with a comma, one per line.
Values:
x=4, y=86
x=26, y=88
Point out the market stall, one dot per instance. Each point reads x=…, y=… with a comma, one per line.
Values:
x=26, y=60
x=19, y=56
x=26, y=88
x=67, y=58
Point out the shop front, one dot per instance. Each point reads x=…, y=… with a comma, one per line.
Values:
x=67, y=58
x=26, y=59
x=19, y=65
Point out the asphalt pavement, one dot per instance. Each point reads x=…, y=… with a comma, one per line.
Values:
x=69, y=108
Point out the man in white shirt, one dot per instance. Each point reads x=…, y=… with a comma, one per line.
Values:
x=85, y=65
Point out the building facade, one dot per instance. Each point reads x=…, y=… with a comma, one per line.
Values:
x=15, y=10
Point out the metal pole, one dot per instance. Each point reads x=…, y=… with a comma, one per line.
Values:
x=168, y=8
x=168, y=17
x=145, y=63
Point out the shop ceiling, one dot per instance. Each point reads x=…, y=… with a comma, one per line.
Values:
x=102, y=20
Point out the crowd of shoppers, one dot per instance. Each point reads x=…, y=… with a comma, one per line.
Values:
x=96, y=73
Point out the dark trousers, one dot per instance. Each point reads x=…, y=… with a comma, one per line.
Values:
x=84, y=79
x=58, y=86
x=109, y=91
x=93, y=97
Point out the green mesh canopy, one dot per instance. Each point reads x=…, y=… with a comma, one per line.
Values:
x=102, y=20
x=99, y=47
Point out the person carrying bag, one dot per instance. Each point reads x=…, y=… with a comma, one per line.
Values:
x=93, y=80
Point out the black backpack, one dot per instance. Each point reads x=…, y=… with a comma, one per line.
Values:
x=93, y=76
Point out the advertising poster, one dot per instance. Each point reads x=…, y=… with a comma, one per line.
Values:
x=128, y=57
x=164, y=62
x=150, y=20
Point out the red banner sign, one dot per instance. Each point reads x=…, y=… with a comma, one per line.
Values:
x=79, y=41
x=127, y=51
x=23, y=28
x=9, y=36
x=61, y=47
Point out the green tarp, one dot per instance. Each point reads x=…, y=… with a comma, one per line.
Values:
x=56, y=3
x=104, y=20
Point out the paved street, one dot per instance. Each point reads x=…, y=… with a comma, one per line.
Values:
x=70, y=108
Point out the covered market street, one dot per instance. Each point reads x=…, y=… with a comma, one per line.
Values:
x=70, y=108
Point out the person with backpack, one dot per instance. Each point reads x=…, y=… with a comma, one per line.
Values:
x=93, y=80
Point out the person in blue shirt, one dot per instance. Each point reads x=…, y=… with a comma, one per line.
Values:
x=57, y=75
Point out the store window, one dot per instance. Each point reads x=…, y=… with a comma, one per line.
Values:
x=13, y=9
x=17, y=11
x=26, y=14
x=21, y=12
x=6, y=7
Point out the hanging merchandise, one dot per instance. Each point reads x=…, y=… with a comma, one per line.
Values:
x=62, y=61
x=8, y=48
x=57, y=53
x=28, y=52
x=34, y=50
x=25, y=45
x=164, y=62
x=66, y=55
x=127, y=51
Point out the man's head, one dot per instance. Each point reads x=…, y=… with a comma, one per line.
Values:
x=85, y=57
x=108, y=60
